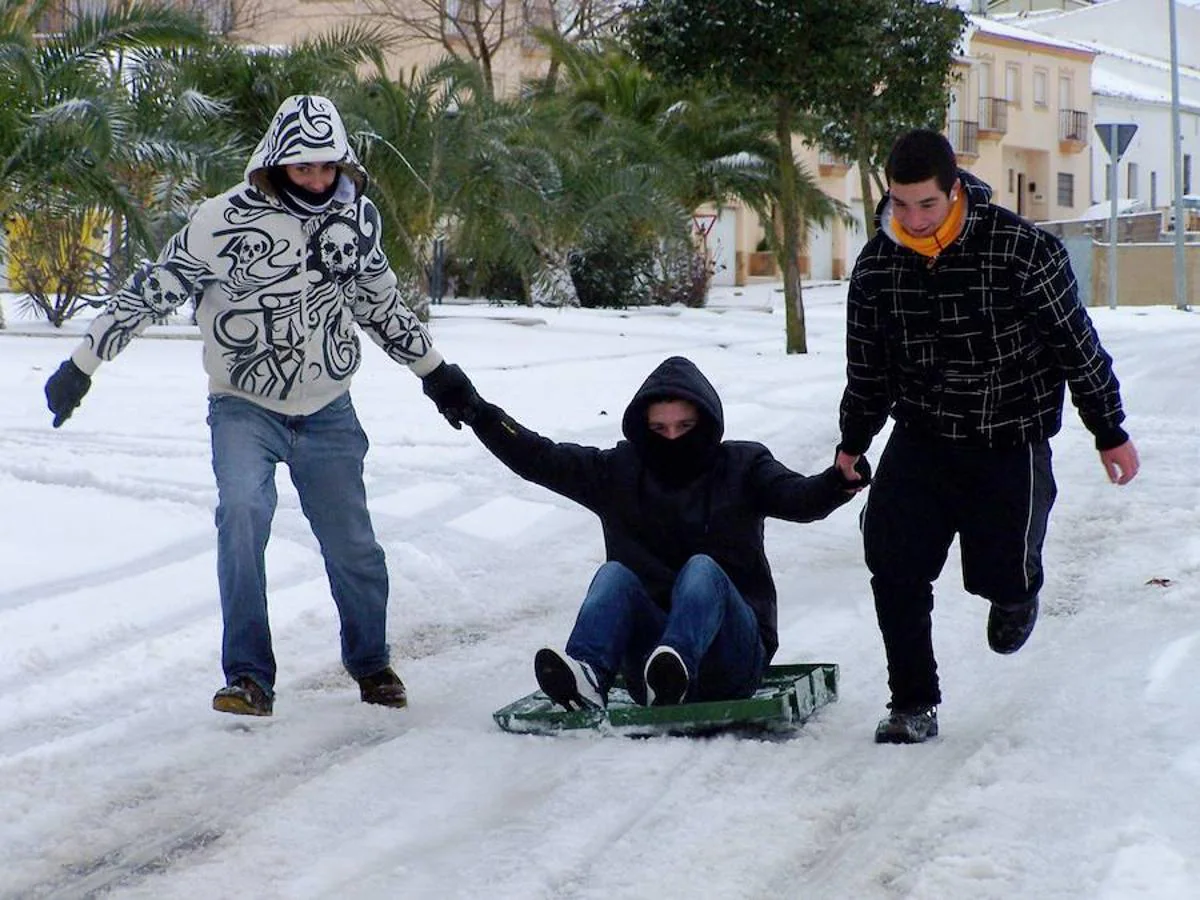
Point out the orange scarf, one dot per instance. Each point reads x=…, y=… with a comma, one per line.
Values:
x=945, y=235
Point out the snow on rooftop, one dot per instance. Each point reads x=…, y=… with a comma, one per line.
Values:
x=994, y=28
x=1153, y=62
x=1109, y=84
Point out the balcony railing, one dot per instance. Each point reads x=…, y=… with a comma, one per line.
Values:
x=1073, y=126
x=964, y=137
x=993, y=115
x=832, y=164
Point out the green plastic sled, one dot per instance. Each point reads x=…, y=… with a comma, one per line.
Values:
x=788, y=695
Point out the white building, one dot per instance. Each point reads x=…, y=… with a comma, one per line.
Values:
x=1131, y=83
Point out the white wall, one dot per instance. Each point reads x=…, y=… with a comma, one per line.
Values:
x=722, y=247
x=1150, y=150
x=1139, y=26
x=1132, y=84
x=820, y=254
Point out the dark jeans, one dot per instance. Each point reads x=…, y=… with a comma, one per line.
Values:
x=710, y=626
x=324, y=454
x=926, y=491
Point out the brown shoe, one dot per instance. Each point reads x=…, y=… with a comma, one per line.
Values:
x=383, y=688
x=243, y=697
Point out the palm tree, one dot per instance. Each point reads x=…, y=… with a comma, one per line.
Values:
x=251, y=83
x=413, y=140
x=202, y=108
x=706, y=146
x=501, y=179
x=67, y=136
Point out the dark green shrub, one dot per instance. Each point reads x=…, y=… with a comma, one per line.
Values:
x=614, y=271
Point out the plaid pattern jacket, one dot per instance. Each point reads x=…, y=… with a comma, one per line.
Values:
x=976, y=345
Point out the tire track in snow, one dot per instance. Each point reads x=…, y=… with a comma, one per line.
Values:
x=85, y=730
x=875, y=847
x=519, y=856
x=176, y=552
x=157, y=850
x=870, y=848
x=218, y=813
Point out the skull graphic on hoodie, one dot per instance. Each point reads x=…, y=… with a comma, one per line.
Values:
x=279, y=283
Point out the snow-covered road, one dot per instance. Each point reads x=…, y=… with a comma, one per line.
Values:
x=1071, y=770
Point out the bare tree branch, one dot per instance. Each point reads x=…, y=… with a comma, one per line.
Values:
x=473, y=30
x=478, y=30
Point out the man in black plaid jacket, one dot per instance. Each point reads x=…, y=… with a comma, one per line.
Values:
x=964, y=324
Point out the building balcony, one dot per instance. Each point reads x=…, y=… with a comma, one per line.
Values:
x=1072, y=130
x=831, y=165
x=964, y=137
x=993, y=118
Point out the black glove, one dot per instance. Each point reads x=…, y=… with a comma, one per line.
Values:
x=452, y=392
x=862, y=467
x=64, y=389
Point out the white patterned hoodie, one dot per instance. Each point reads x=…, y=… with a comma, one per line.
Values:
x=278, y=294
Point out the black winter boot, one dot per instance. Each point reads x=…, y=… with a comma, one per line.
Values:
x=908, y=726
x=1009, y=629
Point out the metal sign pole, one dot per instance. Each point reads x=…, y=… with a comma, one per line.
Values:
x=1114, y=157
x=1114, y=138
x=1181, y=300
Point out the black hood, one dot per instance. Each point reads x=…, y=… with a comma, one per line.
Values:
x=676, y=378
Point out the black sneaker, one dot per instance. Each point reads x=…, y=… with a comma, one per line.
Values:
x=383, y=688
x=1009, y=629
x=666, y=677
x=243, y=697
x=910, y=726
x=566, y=681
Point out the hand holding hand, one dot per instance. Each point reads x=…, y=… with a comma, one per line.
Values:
x=65, y=389
x=452, y=392
x=854, y=472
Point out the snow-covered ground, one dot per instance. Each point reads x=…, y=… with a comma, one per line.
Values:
x=1071, y=770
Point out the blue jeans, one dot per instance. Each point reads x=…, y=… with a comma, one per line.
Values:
x=709, y=625
x=324, y=454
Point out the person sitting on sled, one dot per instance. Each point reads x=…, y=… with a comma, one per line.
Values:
x=684, y=608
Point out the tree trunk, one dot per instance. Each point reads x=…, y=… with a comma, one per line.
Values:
x=551, y=80
x=865, y=174
x=117, y=259
x=789, y=214
x=552, y=285
x=864, y=181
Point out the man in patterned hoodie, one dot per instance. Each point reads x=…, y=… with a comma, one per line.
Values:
x=282, y=268
x=964, y=324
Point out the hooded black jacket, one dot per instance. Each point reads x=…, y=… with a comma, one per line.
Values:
x=653, y=528
x=975, y=346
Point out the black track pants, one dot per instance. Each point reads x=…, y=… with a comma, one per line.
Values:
x=926, y=491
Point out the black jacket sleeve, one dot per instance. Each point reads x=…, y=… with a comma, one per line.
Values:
x=572, y=470
x=1049, y=283
x=784, y=494
x=866, y=401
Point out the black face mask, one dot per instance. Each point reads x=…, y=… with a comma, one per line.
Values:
x=680, y=461
x=300, y=200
